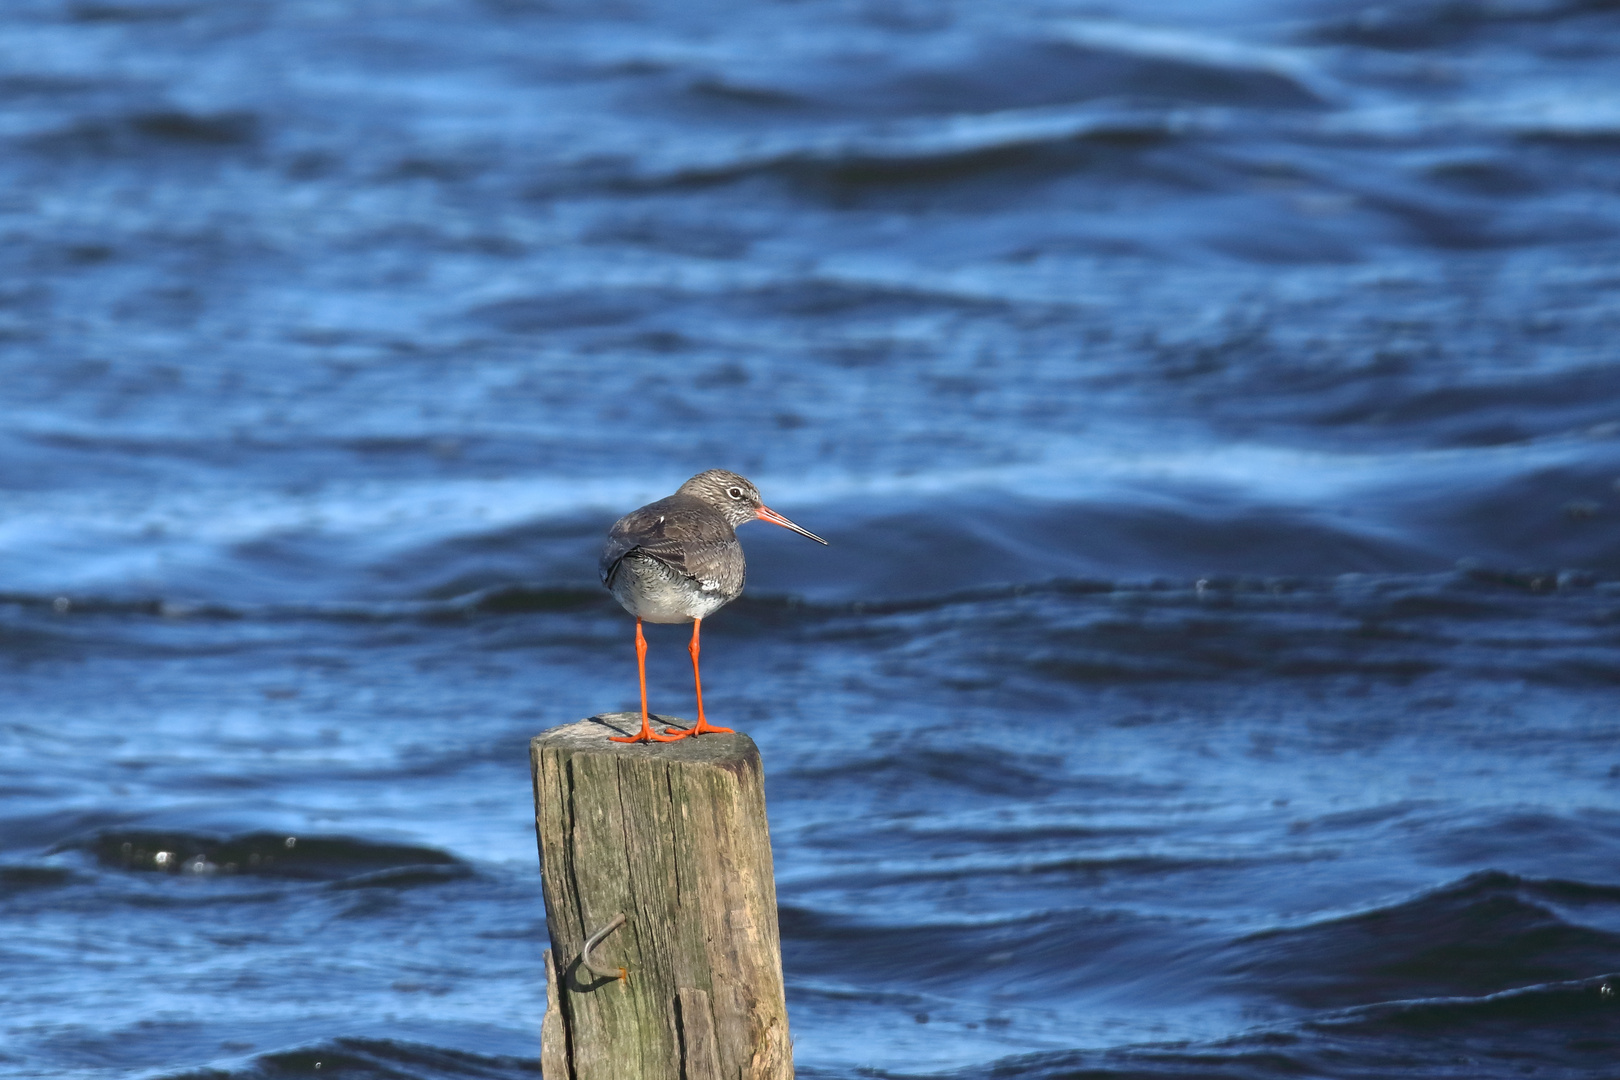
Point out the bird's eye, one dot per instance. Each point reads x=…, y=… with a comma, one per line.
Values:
x=735, y=493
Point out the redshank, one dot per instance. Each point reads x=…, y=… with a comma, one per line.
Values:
x=678, y=560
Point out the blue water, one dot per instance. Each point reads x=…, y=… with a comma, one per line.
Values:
x=1213, y=409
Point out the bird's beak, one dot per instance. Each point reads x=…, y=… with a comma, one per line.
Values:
x=765, y=513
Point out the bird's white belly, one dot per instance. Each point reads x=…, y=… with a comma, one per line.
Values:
x=649, y=589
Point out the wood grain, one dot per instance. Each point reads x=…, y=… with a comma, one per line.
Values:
x=674, y=835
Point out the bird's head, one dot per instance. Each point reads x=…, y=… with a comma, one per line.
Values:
x=738, y=499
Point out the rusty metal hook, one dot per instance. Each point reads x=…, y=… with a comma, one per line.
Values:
x=596, y=939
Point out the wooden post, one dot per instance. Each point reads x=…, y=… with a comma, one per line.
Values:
x=673, y=836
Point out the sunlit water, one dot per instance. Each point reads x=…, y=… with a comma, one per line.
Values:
x=1212, y=408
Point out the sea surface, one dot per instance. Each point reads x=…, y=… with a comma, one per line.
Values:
x=1214, y=410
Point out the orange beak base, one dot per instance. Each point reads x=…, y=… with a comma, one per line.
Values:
x=765, y=513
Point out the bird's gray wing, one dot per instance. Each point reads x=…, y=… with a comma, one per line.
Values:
x=714, y=565
x=612, y=557
x=646, y=531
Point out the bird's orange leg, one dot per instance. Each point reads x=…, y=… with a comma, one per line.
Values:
x=646, y=734
x=703, y=724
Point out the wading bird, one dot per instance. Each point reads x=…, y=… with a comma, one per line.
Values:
x=678, y=560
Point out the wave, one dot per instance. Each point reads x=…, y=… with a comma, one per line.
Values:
x=1021, y=871
x=1109, y=139
x=1431, y=24
x=1076, y=511
x=371, y=1059
x=1056, y=952
x=1485, y=934
x=1241, y=604
x=1042, y=140
x=1570, y=1031
x=986, y=68
x=355, y=863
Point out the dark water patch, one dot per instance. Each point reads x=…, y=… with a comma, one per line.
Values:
x=832, y=298
x=406, y=877
x=18, y=878
x=1527, y=519
x=1592, y=139
x=515, y=598
x=1590, y=999
x=450, y=171
x=915, y=838
x=1452, y=224
x=703, y=239
x=305, y=858
x=1399, y=629
x=1484, y=176
x=1535, y=581
x=981, y=770
x=730, y=92
x=144, y=134
x=1566, y=1031
x=1015, y=148
x=80, y=604
x=1064, y=949
x=40, y=84
x=1259, y=1061
x=1584, y=845
x=964, y=544
x=1363, y=596
x=373, y=1059
x=205, y=129
x=1198, y=644
x=1518, y=408
x=540, y=563
x=542, y=313
x=1439, y=24
x=454, y=601
x=1365, y=819
x=1486, y=934
x=1050, y=873
x=130, y=13
x=669, y=320
x=1599, y=669
x=30, y=832
x=459, y=604
x=850, y=174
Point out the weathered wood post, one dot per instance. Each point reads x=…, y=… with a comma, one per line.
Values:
x=672, y=836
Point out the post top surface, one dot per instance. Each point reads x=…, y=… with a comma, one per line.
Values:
x=591, y=736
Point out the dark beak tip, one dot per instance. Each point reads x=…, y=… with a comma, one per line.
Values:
x=765, y=513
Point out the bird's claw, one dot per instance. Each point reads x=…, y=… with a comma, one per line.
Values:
x=702, y=727
x=647, y=734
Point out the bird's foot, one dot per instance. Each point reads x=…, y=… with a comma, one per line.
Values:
x=702, y=727
x=647, y=734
